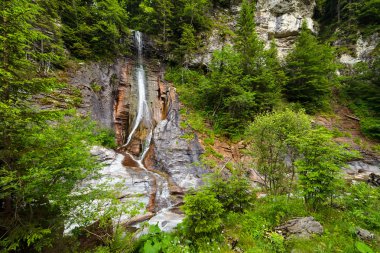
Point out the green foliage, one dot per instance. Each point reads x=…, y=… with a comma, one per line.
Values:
x=106, y=137
x=174, y=25
x=363, y=248
x=272, y=138
x=361, y=201
x=242, y=80
x=362, y=89
x=42, y=165
x=94, y=29
x=156, y=241
x=203, y=216
x=234, y=193
x=320, y=167
x=311, y=69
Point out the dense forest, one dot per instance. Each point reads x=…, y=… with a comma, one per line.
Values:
x=246, y=94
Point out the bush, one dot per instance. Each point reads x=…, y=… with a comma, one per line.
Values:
x=234, y=193
x=203, y=216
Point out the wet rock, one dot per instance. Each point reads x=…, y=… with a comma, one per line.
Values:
x=362, y=169
x=166, y=220
x=300, y=227
x=178, y=157
x=364, y=235
x=374, y=179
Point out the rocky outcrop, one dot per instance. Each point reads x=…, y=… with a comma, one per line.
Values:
x=363, y=50
x=281, y=20
x=98, y=83
x=303, y=227
x=175, y=155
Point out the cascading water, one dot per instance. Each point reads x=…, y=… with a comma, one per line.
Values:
x=143, y=112
x=143, y=120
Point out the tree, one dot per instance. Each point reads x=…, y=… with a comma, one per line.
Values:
x=273, y=137
x=188, y=43
x=36, y=185
x=311, y=71
x=247, y=42
x=229, y=99
x=264, y=75
x=94, y=29
x=319, y=167
x=362, y=88
x=193, y=13
x=43, y=153
x=203, y=215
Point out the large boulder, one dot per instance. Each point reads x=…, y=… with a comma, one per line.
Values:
x=300, y=227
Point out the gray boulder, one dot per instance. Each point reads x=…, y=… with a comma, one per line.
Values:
x=364, y=235
x=300, y=227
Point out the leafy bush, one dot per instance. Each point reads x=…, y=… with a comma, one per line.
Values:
x=319, y=168
x=157, y=241
x=272, y=142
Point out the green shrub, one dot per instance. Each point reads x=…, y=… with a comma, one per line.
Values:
x=234, y=193
x=203, y=216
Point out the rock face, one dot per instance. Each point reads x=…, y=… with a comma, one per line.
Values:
x=98, y=83
x=363, y=50
x=175, y=155
x=281, y=20
x=301, y=227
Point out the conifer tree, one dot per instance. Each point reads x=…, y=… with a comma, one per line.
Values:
x=311, y=71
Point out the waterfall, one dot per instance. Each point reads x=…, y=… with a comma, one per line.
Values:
x=143, y=112
x=143, y=120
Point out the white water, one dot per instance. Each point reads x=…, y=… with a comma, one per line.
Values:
x=144, y=117
x=143, y=112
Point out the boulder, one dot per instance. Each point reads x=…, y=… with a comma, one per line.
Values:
x=374, y=179
x=364, y=235
x=300, y=227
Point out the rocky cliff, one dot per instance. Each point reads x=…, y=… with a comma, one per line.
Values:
x=281, y=20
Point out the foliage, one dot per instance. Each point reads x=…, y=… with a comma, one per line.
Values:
x=361, y=201
x=320, y=167
x=203, y=216
x=93, y=29
x=311, y=69
x=362, y=90
x=234, y=193
x=46, y=163
x=273, y=138
x=44, y=154
x=157, y=241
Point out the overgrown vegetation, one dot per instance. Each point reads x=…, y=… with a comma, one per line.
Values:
x=243, y=94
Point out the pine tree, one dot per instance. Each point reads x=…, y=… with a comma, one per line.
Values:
x=311, y=71
x=188, y=43
x=247, y=42
x=264, y=75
